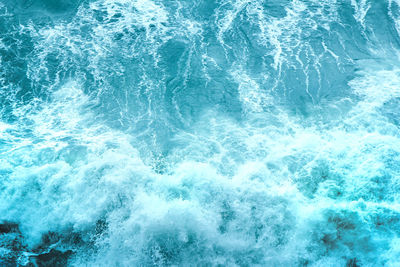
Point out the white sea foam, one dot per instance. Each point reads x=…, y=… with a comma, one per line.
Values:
x=269, y=187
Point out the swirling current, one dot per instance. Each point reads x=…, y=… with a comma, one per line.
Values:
x=200, y=133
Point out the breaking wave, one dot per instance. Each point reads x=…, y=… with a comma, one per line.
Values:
x=199, y=133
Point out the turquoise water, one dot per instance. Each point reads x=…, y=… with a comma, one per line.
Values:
x=199, y=133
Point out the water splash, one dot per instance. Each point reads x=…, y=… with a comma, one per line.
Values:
x=158, y=133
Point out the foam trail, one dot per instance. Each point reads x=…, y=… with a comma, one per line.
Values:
x=199, y=133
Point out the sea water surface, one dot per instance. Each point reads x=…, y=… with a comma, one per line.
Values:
x=200, y=133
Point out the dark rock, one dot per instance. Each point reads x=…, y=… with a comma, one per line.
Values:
x=54, y=258
x=8, y=227
x=352, y=263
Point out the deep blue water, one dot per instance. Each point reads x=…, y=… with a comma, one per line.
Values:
x=200, y=133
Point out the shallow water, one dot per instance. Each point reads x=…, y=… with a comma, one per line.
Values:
x=199, y=133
